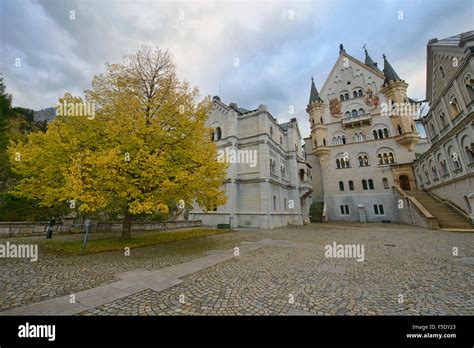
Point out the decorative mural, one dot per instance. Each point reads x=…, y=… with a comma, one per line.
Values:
x=335, y=107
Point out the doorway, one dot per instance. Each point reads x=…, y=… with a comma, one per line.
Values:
x=404, y=182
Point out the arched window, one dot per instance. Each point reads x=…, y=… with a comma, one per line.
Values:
x=212, y=134
x=341, y=186
x=469, y=153
x=343, y=139
x=433, y=131
x=271, y=132
x=361, y=161
x=338, y=163
x=361, y=112
x=441, y=71
x=302, y=174
x=400, y=131
x=354, y=94
x=454, y=107
x=379, y=156
x=385, y=132
x=346, y=96
x=351, y=185
x=366, y=161
x=360, y=93
x=354, y=113
x=469, y=85
x=321, y=120
x=391, y=159
x=374, y=132
x=442, y=118
x=219, y=133
x=341, y=97
x=324, y=141
x=364, y=184
x=334, y=141
x=347, y=114
x=380, y=134
x=339, y=141
x=456, y=161
x=274, y=203
x=385, y=158
x=385, y=183
x=371, y=184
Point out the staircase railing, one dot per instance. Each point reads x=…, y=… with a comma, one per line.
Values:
x=416, y=214
x=457, y=209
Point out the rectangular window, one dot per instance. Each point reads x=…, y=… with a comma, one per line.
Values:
x=341, y=186
x=376, y=209
x=381, y=209
x=347, y=209
x=351, y=185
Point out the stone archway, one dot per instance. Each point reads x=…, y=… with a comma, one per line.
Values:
x=404, y=182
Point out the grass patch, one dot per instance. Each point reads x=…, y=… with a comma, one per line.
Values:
x=138, y=241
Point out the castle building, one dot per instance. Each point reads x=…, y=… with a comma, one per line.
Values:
x=268, y=181
x=446, y=169
x=363, y=140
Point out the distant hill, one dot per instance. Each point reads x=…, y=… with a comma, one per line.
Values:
x=45, y=114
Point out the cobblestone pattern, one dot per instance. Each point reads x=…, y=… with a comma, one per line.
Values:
x=399, y=260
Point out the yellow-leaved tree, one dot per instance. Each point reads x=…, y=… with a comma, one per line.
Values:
x=143, y=147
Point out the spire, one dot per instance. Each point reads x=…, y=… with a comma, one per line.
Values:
x=314, y=96
x=341, y=49
x=369, y=62
x=389, y=72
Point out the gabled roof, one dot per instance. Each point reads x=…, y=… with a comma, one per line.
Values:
x=343, y=55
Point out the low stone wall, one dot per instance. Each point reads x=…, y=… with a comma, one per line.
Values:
x=67, y=226
x=148, y=226
x=412, y=212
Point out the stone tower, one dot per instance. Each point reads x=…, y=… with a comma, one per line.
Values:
x=315, y=110
x=399, y=108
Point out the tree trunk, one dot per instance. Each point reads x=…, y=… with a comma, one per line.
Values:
x=127, y=225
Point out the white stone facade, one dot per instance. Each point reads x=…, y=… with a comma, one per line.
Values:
x=274, y=190
x=447, y=168
x=357, y=153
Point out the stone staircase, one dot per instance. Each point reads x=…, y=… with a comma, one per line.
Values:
x=447, y=217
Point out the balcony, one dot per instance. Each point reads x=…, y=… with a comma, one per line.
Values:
x=357, y=121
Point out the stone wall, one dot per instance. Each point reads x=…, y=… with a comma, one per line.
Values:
x=67, y=226
x=412, y=212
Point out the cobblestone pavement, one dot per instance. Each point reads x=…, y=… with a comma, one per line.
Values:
x=406, y=271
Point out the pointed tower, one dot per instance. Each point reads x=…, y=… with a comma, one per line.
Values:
x=395, y=90
x=369, y=61
x=315, y=110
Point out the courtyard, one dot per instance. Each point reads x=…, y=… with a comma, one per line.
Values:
x=405, y=270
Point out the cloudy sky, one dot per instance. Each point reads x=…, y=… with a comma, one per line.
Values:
x=279, y=45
